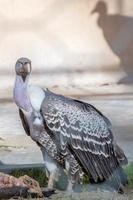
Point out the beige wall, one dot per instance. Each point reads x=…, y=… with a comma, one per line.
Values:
x=52, y=33
x=62, y=34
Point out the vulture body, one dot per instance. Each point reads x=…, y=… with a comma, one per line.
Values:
x=72, y=133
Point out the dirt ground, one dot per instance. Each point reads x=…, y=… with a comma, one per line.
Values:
x=97, y=195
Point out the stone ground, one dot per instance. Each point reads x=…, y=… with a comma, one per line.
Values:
x=97, y=195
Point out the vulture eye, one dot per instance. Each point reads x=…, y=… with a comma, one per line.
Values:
x=19, y=68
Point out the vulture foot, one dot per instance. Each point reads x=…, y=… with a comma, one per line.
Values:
x=47, y=192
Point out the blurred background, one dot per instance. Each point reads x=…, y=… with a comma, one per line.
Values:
x=82, y=49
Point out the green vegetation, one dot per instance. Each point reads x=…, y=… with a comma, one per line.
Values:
x=38, y=174
x=129, y=171
x=86, y=180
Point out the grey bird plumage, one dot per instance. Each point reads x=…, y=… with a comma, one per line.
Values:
x=83, y=130
x=72, y=132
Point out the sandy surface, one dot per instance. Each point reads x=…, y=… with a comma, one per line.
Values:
x=19, y=150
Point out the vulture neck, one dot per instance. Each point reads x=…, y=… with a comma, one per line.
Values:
x=21, y=97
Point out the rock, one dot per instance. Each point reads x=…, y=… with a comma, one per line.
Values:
x=15, y=191
x=22, y=186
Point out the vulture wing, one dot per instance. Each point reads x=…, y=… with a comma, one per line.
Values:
x=24, y=122
x=82, y=129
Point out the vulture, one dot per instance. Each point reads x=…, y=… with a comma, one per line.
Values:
x=72, y=134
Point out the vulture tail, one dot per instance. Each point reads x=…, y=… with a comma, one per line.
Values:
x=118, y=180
x=120, y=155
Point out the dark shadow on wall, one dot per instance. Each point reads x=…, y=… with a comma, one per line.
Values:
x=118, y=33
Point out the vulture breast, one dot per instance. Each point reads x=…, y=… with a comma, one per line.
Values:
x=36, y=96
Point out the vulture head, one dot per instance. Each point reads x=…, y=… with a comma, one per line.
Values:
x=20, y=94
x=23, y=67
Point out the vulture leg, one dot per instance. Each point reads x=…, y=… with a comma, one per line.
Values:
x=74, y=174
x=51, y=180
x=52, y=168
